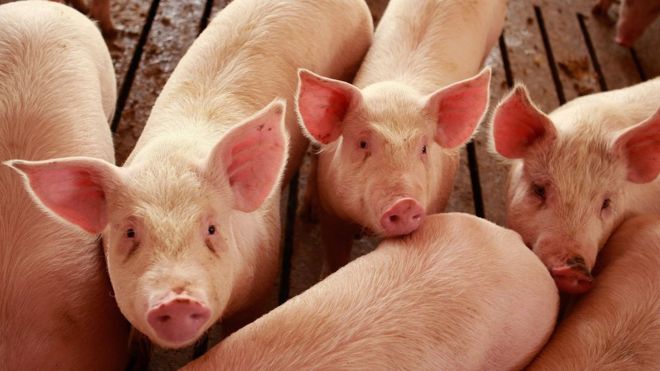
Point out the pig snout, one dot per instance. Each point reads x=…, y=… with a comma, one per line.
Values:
x=403, y=217
x=178, y=320
x=573, y=277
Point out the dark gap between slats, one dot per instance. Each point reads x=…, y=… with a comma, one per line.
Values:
x=592, y=52
x=206, y=15
x=133, y=67
x=551, y=58
x=201, y=346
x=474, y=179
x=638, y=65
x=508, y=72
x=287, y=253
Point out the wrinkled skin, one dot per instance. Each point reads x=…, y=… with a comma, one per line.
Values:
x=578, y=172
x=634, y=17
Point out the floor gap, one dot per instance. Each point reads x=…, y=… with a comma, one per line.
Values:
x=474, y=179
x=289, y=229
x=592, y=52
x=551, y=58
x=638, y=65
x=125, y=89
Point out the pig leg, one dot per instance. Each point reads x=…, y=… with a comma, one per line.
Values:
x=309, y=210
x=602, y=7
x=79, y=5
x=634, y=18
x=100, y=10
x=337, y=237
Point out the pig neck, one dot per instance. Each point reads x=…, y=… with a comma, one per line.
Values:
x=430, y=44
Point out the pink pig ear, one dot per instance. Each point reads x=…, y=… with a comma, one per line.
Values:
x=322, y=104
x=640, y=145
x=251, y=157
x=459, y=108
x=518, y=124
x=72, y=188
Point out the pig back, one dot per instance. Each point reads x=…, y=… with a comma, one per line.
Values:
x=250, y=53
x=57, y=91
x=431, y=44
x=459, y=293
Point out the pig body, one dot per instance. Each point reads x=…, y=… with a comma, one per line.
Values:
x=617, y=324
x=578, y=172
x=634, y=17
x=458, y=293
x=191, y=223
x=390, y=143
x=57, y=93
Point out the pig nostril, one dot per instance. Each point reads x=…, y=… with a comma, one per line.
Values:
x=196, y=316
x=164, y=318
x=394, y=218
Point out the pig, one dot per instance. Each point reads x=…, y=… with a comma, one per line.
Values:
x=616, y=326
x=389, y=144
x=57, y=94
x=634, y=17
x=576, y=173
x=459, y=293
x=191, y=223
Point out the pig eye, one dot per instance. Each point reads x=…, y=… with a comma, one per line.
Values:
x=211, y=229
x=363, y=144
x=606, y=204
x=130, y=233
x=539, y=191
x=424, y=149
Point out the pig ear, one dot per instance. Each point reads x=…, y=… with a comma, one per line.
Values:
x=518, y=124
x=459, y=108
x=251, y=157
x=640, y=145
x=322, y=104
x=72, y=188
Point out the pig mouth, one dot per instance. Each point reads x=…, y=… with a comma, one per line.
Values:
x=572, y=277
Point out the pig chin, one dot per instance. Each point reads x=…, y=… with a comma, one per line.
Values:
x=568, y=268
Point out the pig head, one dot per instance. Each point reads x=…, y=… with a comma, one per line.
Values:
x=176, y=230
x=567, y=189
x=387, y=153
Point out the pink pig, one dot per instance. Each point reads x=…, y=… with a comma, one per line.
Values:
x=635, y=16
x=191, y=223
x=389, y=146
x=578, y=172
x=460, y=293
x=616, y=326
x=57, y=93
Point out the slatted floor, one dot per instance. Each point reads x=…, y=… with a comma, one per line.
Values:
x=556, y=47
